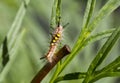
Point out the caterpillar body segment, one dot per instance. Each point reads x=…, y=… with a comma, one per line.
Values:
x=56, y=39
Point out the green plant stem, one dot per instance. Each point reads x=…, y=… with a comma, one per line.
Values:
x=55, y=73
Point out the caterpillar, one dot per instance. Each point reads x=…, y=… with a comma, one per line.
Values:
x=56, y=38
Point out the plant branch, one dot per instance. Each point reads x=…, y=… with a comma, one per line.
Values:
x=56, y=58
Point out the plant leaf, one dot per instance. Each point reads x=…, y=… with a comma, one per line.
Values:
x=58, y=13
x=15, y=27
x=12, y=57
x=71, y=76
x=108, y=71
x=106, y=74
x=5, y=54
x=98, y=36
x=53, y=15
x=88, y=12
x=106, y=10
x=112, y=66
x=102, y=54
x=13, y=39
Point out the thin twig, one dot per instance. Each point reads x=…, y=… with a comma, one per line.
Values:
x=56, y=58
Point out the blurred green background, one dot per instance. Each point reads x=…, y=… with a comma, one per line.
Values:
x=35, y=42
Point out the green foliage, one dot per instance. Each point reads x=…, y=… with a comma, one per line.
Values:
x=21, y=48
x=102, y=54
x=13, y=39
x=87, y=29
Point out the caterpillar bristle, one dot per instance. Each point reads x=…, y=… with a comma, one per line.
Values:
x=66, y=25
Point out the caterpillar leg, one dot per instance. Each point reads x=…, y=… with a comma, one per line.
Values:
x=43, y=57
x=49, y=58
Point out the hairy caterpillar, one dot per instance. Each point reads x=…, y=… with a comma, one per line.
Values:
x=56, y=38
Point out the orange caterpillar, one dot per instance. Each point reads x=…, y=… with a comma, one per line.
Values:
x=56, y=37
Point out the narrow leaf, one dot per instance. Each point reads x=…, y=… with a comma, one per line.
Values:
x=12, y=52
x=88, y=12
x=15, y=27
x=58, y=13
x=106, y=10
x=5, y=54
x=71, y=76
x=53, y=14
x=108, y=71
x=105, y=74
x=112, y=66
x=105, y=49
x=97, y=37
x=102, y=54
x=14, y=39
